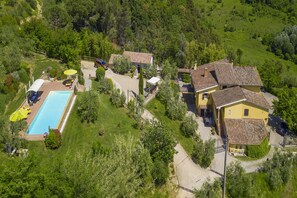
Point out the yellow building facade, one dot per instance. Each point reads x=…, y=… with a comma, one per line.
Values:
x=203, y=99
x=245, y=110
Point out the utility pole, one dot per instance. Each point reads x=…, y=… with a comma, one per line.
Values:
x=225, y=166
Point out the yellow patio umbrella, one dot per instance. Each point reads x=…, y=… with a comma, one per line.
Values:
x=18, y=115
x=70, y=72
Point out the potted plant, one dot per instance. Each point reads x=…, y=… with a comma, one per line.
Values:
x=52, y=74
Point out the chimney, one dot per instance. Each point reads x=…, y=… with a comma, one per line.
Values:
x=195, y=65
x=205, y=72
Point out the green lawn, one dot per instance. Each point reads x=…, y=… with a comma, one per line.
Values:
x=115, y=122
x=158, y=110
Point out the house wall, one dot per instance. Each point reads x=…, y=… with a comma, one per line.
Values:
x=138, y=64
x=199, y=101
x=252, y=88
x=255, y=112
x=236, y=111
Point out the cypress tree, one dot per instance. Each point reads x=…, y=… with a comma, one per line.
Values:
x=140, y=86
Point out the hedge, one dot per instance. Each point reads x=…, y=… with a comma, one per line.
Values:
x=258, y=151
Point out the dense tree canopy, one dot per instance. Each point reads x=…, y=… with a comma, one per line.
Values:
x=285, y=107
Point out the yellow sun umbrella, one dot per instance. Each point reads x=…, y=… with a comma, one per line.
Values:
x=18, y=115
x=70, y=72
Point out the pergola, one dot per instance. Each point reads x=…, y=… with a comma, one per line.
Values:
x=36, y=85
x=153, y=80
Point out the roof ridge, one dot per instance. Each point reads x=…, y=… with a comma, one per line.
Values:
x=256, y=93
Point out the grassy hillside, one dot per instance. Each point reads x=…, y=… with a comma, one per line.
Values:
x=240, y=26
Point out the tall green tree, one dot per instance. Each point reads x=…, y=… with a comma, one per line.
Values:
x=238, y=183
x=285, y=107
x=157, y=139
x=140, y=85
x=88, y=105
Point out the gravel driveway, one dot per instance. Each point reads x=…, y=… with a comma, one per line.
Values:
x=122, y=82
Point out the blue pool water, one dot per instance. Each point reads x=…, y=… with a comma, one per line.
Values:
x=50, y=112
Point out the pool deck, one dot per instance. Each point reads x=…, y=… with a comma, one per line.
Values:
x=44, y=91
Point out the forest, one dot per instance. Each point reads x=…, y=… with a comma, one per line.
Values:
x=179, y=33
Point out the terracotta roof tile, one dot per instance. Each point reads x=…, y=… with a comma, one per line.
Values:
x=256, y=98
x=201, y=82
x=228, y=96
x=247, y=75
x=225, y=74
x=139, y=57
x=245, y=131
x=236, y=94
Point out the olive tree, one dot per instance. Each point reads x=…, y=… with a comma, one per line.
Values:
x=88, y=106
x=189, y=126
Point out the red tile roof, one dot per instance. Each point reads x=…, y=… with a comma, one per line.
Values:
x=223, y=72
x=139, y=57
x=245, y=131
x=228, y=96
x=237, y=94
x=256, y=98
x=201, y=82
x=247, y=75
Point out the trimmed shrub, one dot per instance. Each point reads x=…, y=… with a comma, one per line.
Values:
x=54, y=139
x=186, y=78
x=258, y=151
x=105, y=86
x=81, y=79
x=160, y=172
x=100, y=73
x=53, y=73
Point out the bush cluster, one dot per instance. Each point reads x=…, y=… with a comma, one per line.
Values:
x=279, y=169
x=121, y=65
x=117, y=99
x=175, y=107
x=160, y=144
x=203, y=153
x=105, y=86
x=88, y=107
x=189, y=126
x=54, y=139
x=100, y=73
x=186, y=78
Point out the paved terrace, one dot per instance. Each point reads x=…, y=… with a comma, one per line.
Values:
x=43, y=92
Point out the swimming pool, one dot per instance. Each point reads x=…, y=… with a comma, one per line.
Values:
x=50, y=112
